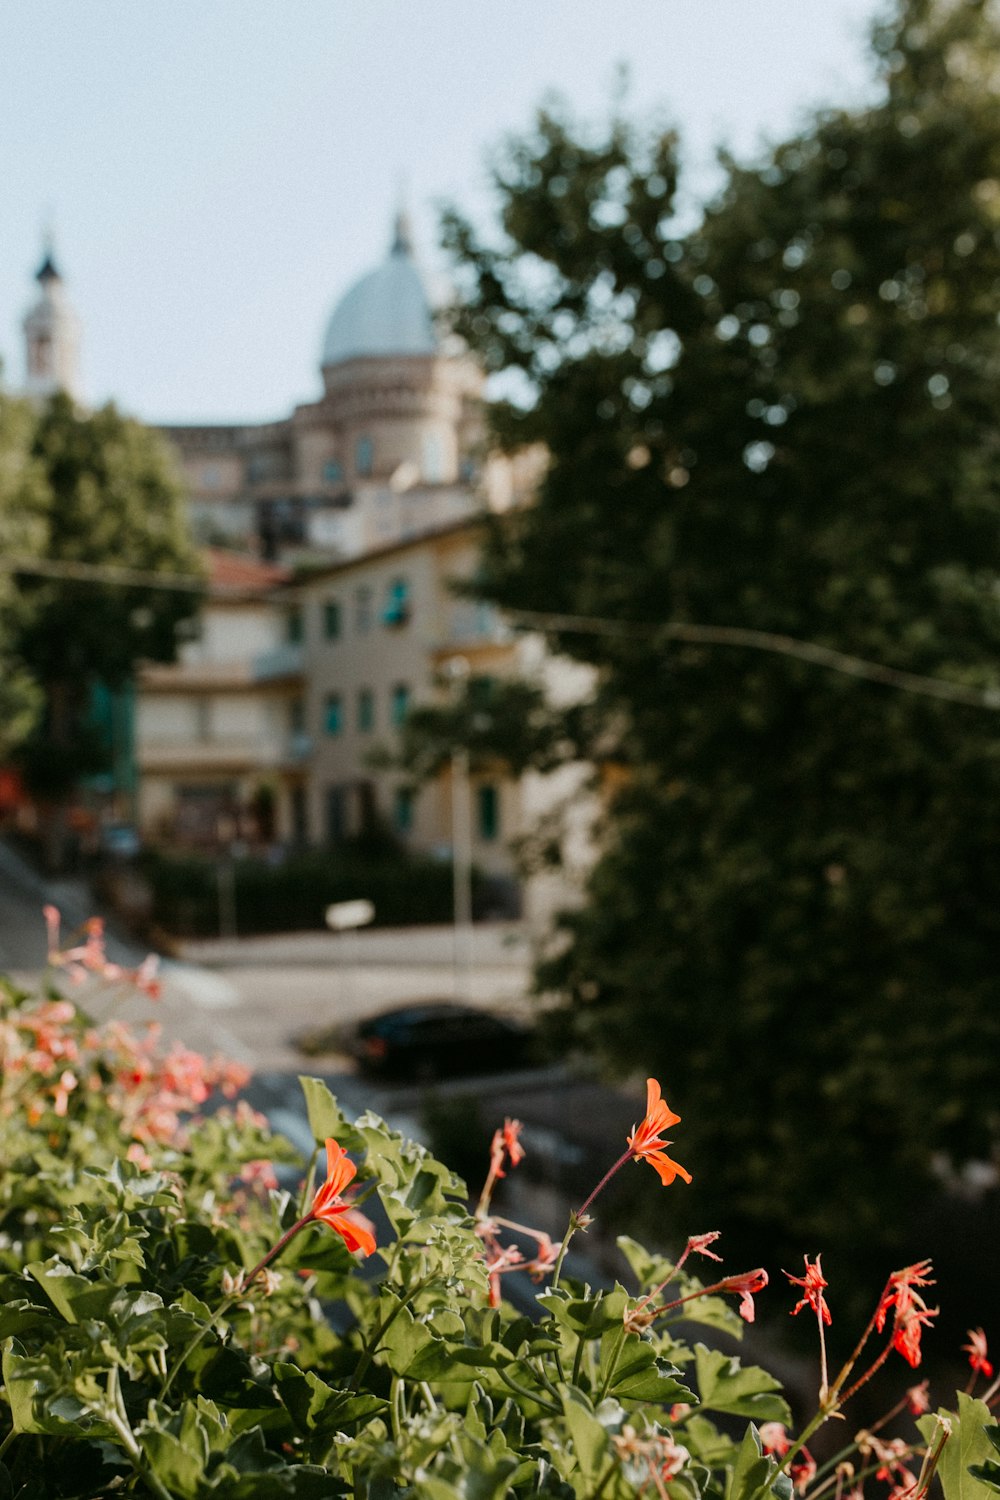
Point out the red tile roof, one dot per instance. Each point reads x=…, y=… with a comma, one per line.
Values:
x=239, y=573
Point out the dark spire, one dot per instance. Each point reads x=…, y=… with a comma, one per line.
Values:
x=402, y=234
x=48, y=270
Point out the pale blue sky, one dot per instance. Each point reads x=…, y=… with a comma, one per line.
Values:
x=218, y=171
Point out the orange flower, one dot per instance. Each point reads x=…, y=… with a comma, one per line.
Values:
x=646, y=1141
x=330, y=1208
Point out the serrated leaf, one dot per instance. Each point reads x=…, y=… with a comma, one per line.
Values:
x=590, y=1440
x=641, y=1376
x=741, y=1390
x=968, y=1447
x=326, y=1118
x=649, y=1269
x=753, y=1470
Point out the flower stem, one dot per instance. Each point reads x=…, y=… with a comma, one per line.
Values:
x=577, y=1220
x=230, y=1301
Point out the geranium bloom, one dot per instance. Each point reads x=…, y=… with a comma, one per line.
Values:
x=698, y=1245
x=329, y=1207
x=911, y=1313
x=774, y=1438
x=976, y=1350
x=746, y=1287
x=812, y=1284
x=647, y=1141
x=917, y=1399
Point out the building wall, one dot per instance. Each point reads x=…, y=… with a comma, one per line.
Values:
x=212, y=729
x=368, y=656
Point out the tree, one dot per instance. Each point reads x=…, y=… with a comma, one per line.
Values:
x=22, y=507
x=111, y=499
x=786, y=420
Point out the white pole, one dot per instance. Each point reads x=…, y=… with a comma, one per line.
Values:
x=461, y=861
x=457, y=671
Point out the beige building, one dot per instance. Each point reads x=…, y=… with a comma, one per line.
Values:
x=384, y=632
x=377, y=491
x=219, y=743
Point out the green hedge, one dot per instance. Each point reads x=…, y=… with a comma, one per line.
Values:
x=293, y=895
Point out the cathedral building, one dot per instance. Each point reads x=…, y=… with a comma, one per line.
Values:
x=334, y=538
x=392, y=447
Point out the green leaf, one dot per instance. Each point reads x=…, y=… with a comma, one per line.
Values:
x=641, y=1376
x=649, y=1269
x=326, y=1118
x=741, y=1390
x=590, y=1439
x=317, y=1407
x=753, y=1471
x=967, y=1453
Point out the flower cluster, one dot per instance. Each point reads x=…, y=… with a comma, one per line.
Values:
x=88, y=959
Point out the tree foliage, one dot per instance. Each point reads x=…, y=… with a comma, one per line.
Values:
x=103, y=493
x=784, y=418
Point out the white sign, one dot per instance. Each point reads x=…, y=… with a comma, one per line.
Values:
x=343, y=915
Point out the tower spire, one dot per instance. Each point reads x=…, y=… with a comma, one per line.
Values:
x=402, y=229
x=51, y=332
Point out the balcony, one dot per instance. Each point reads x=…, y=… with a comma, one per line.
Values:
x=282, y=661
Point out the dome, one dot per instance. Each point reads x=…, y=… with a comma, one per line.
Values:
x=387, y=312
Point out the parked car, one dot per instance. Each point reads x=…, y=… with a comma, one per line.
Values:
x=439, y=1038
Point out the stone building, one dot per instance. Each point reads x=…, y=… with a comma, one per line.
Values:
x=392, y=447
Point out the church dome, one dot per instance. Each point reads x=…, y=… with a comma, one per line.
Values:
x=387, y=312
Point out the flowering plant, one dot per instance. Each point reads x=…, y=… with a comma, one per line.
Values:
x=176, y=1324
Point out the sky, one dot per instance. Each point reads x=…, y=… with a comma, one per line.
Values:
x=216, y=173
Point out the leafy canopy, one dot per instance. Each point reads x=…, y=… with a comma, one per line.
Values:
x=785, y=419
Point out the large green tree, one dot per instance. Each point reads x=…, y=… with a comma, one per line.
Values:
x=786, y=420
x=23, y=497
x=108, y=500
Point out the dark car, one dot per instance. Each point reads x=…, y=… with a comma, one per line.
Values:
x=437, y=1039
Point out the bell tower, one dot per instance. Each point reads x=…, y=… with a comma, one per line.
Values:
x=51, y=335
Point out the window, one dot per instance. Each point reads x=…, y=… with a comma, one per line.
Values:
x=293, y=626
x=488, y=812
x=366, y=710
x=331, y=619
x=297, y=716
x=333, y=471
x=397, y=603
x=336, y=813
x=363, y=610
x=433, y=459
x=399, y=703
x=364, y=457
x=333, y=714
x=402, y=809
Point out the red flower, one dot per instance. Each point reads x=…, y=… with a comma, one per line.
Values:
x=746, y=1286
x=330, y=1208
x=813, y=1284
x=774, y=1438
x=910, y=1312
x=976, y=1350
x=899, y=1291
x=917, y=1399
x=646, y=1141
x=698, y=1245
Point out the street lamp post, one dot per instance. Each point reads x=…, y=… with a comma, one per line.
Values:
x=456, y=669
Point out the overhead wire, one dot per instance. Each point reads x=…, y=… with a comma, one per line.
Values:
x=826, y=657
